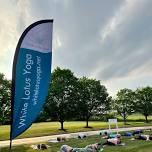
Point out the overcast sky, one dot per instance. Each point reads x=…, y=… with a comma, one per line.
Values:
x=110, y=40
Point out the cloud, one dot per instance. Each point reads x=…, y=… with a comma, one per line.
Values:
x=13, y=20
x=106, y=40
x=8, y=36
x=23, y=16
x=126, y=41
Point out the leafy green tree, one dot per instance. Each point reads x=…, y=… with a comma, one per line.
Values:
x=61, y=99
x=124, y=103
x=5, y=99
x=144, y=101
x=93, y=98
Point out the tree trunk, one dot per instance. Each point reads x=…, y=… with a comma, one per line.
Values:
x=3, y=120
x=61, y=116
x=87, y=122
x=62, y=128
x=124, y=118
x=146, y=117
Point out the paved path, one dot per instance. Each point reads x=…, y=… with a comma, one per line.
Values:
x=54, y=137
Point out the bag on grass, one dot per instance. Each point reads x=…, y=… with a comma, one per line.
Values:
x=66, y=148
x=81, y=136
x=60, y=139
x=40, y=147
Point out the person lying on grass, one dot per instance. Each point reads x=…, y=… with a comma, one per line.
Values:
x=107, y=135
x=113, y=141
x=92, y=147
x=143, y=137
x=89, y=148
x=137, y=132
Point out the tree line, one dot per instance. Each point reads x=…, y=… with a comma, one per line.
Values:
x=72, y=98
x=128, y=102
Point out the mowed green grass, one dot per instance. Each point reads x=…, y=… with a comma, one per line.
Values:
x=136, y=117
x=50, y=128
x=130, y=146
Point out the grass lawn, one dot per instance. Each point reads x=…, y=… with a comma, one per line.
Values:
x=50, y=128
x=136, y=117
x=130, y=146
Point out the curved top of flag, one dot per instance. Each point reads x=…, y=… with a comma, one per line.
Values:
x=31, y=75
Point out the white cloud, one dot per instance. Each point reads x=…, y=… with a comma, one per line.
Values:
x=107, y=40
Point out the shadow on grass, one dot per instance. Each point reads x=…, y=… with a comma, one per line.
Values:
x=127, y=124
x=64, y=130
x=15, y=149
x=88, y=127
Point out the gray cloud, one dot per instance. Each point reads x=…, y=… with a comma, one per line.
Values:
x=128, y=46
x=77, y=24
x=107, y=40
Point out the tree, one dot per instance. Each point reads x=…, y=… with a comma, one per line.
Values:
x=93, y=98
x=61, y=99
x=5, y=99
x=144, y=101
x=124, y=103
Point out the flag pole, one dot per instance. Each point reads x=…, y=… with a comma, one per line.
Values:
x=12, y=97
x=10, y=148
x=12, y=101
